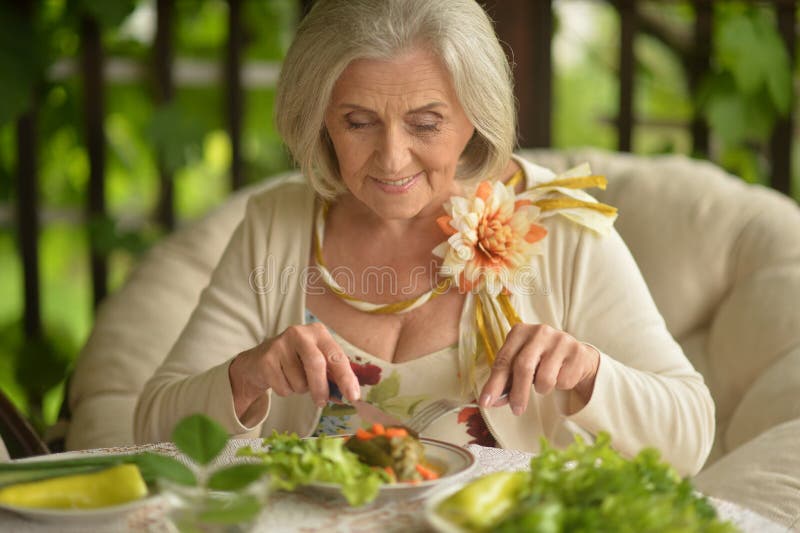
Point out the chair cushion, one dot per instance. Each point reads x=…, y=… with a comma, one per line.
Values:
x=762, y=475
x=774, y=398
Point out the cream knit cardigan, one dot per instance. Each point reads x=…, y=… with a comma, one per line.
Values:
x=646, y=391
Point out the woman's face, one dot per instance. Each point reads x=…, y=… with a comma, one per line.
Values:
x=398, y=130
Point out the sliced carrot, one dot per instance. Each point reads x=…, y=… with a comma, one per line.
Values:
x=363, y=434
x=378, y=429
x=426, y=473
x=396, y=432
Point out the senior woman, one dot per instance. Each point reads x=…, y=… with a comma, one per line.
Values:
x=416, y=258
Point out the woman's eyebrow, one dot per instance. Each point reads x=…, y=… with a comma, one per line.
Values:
x=427, y=107
x=355, y=107
x=421, y=109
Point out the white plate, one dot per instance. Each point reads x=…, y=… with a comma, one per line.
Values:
x=80, y=516
x=77, y=516
x=452, y=461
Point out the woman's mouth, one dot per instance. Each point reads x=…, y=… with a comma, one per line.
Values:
x=397, y=186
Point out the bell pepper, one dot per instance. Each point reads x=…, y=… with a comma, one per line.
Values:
x=484, y=502
x=112, y=486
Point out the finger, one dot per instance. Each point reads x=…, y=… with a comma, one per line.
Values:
x=293, y=371
x=273, y=372
x=547, y=373
x=503, y=399
x=277, y=380
x=339, y=368
x=315, y=371
x=525, y=365
x=570, y=374
x=501, y=368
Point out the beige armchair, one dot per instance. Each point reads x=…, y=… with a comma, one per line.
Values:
x=722, y=259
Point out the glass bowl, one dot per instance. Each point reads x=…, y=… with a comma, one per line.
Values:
x=202, y=510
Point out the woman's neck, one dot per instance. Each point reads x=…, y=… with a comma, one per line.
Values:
x=350, y=215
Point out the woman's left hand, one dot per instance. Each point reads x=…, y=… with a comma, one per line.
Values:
x=543, y=356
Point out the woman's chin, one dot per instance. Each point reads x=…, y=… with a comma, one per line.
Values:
x=398, y=206
x=395, y=211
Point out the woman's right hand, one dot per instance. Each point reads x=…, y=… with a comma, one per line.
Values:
x=299, y=360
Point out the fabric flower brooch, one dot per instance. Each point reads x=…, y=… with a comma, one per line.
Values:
x=493, y=236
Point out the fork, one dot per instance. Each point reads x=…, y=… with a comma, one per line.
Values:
x=435, y=410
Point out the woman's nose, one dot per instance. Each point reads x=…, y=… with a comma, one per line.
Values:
x=394, y=151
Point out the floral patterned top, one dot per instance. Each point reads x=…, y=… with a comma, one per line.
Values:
x=401, y=390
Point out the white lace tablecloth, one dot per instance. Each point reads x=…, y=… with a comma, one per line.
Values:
x=310, y=513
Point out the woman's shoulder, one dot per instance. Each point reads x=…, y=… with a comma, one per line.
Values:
x=280, y=204
x=291, y=190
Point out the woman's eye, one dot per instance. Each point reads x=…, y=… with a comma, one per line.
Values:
x=431, y=127
x=356, y=125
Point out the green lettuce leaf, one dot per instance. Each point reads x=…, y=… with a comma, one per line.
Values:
x=292, y=462
x=590, y=487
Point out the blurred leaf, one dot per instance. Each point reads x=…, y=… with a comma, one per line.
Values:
x=23, y=59
x=177, y=134
x=236, y=477
x=736, y=119
x=740, y=52
x=155, y=466
x=106, y=237
x=41, y=365
x=201, y=27
x=108, y=13
x=11, y=340
x=200, y=438
x=268, y=26
x=776, y=66
x=749, y=46
x=102, y=234
x=744, y=162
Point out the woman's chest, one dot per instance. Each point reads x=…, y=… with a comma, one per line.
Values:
x=392, y=337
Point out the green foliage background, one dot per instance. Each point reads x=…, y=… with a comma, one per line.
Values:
x=750, y=85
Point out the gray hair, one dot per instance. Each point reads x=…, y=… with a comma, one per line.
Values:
x=336, y=32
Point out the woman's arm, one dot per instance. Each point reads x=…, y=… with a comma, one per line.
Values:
x=232, y=354
x=228, y=320
x=621, y=369
x=646, y=392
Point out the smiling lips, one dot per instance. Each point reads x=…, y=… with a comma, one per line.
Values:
x=396, y=186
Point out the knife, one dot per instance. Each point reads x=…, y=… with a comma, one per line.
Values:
x=374, y=415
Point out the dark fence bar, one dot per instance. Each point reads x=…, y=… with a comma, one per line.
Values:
x=27, y=203
x=539, y=120
x=700, y=63
x=781, y=141
x=94, y=112
x=527, y=30
x=627, y=22
x=27, y=219
x=234, y=96
x=164, y=92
